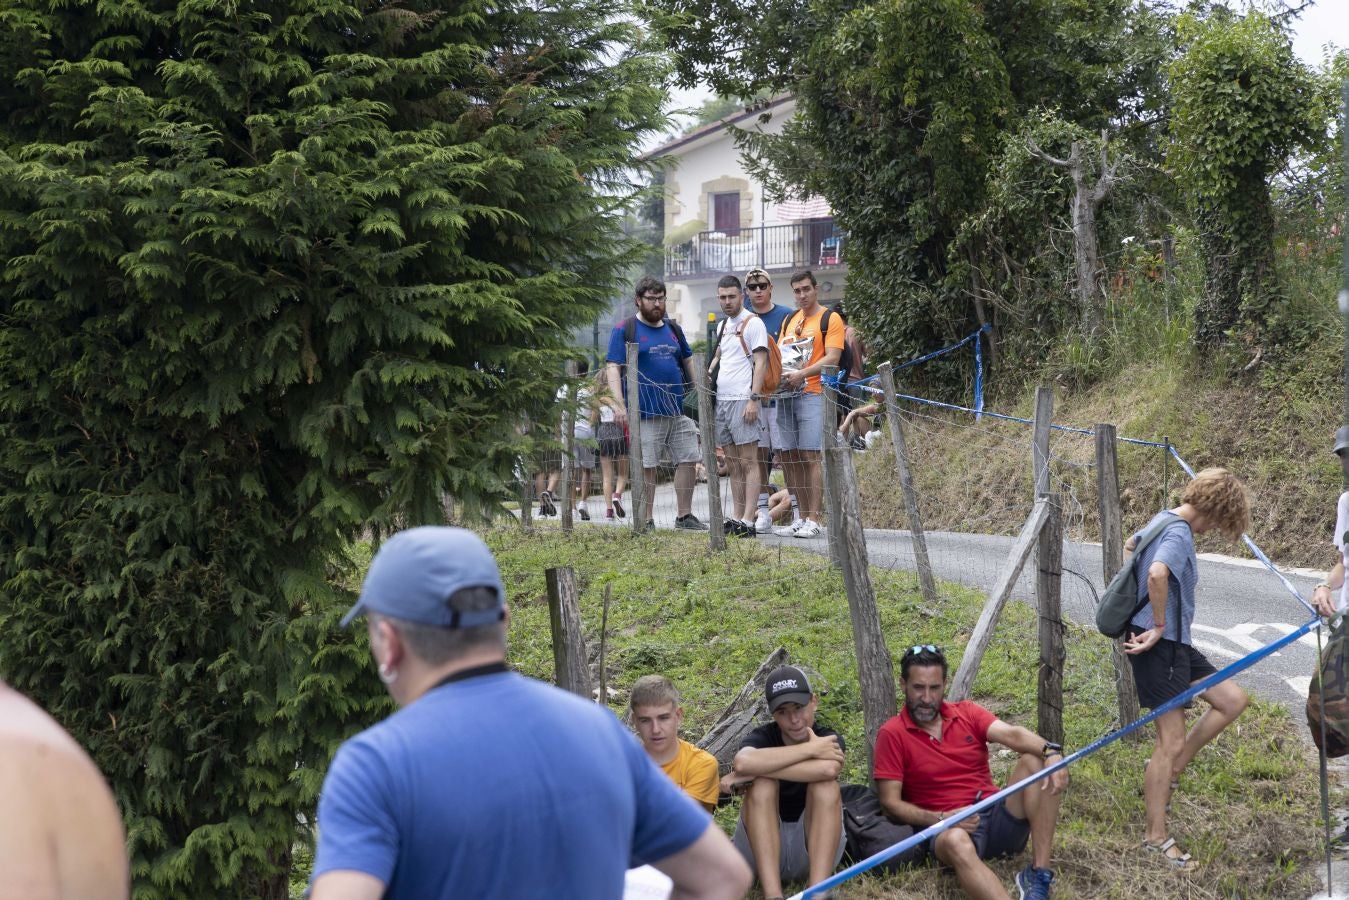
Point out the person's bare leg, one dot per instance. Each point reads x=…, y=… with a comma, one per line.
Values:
x=790, y=474
x=1037, y=806
x=955, y=848
x=741, y=458
x=760, y=812
x=824, y=821
x=684, y=478
x=607, y=482
x=765, y=470
x=1157, y=778
x=1226, y=701
x=812, y=490
x=622, y=484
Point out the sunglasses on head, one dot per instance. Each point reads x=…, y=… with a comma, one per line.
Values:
x=917, y=649
x=757, y=286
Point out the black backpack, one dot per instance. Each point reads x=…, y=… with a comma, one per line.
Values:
x=869, y=830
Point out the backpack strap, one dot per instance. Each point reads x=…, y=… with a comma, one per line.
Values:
x=1144, y=541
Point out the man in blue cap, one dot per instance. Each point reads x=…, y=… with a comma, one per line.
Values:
x=485, y=783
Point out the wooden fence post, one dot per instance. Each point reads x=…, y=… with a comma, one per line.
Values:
x=979, y=640
x=829, y=466
x=876, y=674
x=636, y=474
x=716, y=534
x=916, y=532
x=568, y=447
x=1049, y=602
x=1112, y=559
x=1044, y=416
x=527, y=464
x=569, y=648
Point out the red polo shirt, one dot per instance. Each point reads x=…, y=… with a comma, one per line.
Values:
x=938, y=774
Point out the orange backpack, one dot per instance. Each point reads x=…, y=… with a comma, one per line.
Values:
x=772, y=376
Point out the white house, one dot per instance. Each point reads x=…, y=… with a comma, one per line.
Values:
x=718, y=221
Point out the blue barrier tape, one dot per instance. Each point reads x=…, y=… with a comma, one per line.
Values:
x=979, y=373
x=1175, y=702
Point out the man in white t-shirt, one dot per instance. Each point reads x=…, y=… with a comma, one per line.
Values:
x=740, y=360
x=1324, y=596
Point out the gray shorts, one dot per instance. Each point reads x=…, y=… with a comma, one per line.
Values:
x=800, y=418
x=732, y=427
x=794, y=862
x=583, y=456
x=675, y=437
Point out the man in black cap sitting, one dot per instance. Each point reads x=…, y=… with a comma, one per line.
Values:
x=791, y=820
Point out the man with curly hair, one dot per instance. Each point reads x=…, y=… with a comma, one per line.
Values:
x=1164, y=661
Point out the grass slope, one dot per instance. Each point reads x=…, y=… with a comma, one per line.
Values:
x=1274, y=432
x=1247, y=808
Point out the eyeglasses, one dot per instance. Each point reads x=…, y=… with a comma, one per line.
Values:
x=654, y=298
x=757, y=286
x=916, y=649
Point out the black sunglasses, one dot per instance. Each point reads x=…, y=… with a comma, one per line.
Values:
x=757, y=286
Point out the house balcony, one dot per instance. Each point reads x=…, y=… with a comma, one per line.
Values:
x=805, y=245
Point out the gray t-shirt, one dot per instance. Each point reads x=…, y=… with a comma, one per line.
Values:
x=1174, y=547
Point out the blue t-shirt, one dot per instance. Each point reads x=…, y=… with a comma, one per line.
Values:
x=499, y=786
x=1175, y=547
x=660, y=370
x=773, y=319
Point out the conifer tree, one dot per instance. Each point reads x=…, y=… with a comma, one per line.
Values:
x=276, y=273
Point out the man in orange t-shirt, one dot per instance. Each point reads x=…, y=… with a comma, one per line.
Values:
x=800, y=400
x=657, y=714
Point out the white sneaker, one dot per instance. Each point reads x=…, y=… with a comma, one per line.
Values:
x=763, y=524
x=808, y=529
x=788, y=530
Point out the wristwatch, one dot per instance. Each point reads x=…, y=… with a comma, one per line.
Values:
x=1051, y=747
x=756, y=396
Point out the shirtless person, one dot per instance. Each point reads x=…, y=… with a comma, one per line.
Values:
x=61, y=837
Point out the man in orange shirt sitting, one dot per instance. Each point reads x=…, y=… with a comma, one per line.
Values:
x=800, y=399
x=657, y=714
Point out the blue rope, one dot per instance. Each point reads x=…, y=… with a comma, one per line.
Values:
x=1175, y=702
x=979, y=374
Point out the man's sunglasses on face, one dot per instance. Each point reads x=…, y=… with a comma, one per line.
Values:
x=757, y=286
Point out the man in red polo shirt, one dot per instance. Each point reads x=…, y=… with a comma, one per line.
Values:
x=932, y=762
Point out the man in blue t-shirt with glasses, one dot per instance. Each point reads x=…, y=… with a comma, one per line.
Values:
x=664, y=364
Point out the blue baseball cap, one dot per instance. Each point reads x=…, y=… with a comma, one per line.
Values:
x=416, y=571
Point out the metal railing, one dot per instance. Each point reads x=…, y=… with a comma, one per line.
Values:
x=805, y=245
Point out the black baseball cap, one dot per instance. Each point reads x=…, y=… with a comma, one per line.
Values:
x=787, y=684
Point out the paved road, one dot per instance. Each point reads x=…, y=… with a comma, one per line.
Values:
x=1241, y=605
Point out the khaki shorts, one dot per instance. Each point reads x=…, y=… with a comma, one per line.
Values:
x=793, y=859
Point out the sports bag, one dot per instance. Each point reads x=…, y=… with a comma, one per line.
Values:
x=869, y=830
x=1330, y=686
x=1120, y=602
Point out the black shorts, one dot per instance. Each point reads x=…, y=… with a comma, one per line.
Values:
x=999, y=833
x=613, y=444
x=1166, y=670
